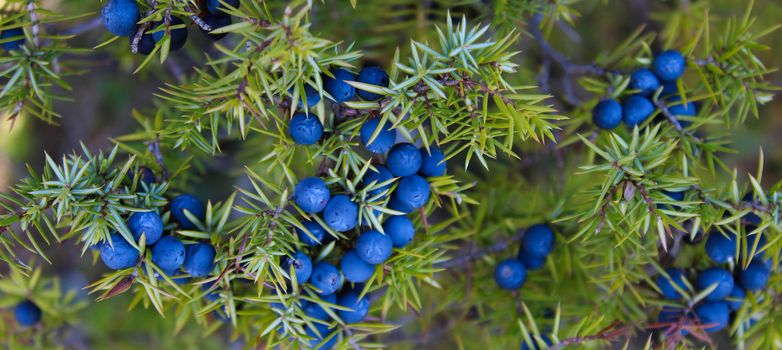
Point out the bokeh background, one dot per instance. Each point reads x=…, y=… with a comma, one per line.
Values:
x=104, y=97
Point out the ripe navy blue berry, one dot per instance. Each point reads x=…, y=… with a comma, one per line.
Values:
x=199, y=259
x=216, y=22
x=755, y=277
x=215, y=6
x=120, y=17
x=669, y=88
x=311, y=94
x=314, y=228
x=305, y=129
x=720, y=248
x=532, y=262
x=411, y=193
x=178, y=35
x=751, y=217
x=341, y=214
x=666, y=285
x=118, y=255
x=607, y=114
x=148, y=223
x=146, y=174
x=311, y=195
x=27, y=314
x=383, y=141
x=326, y=278
x=302, y=266
x=13, y=33
x=373, y=76
x=190, y=203
x=721, y=277
x=354, y=268
x=756, y=242
x=404, y=159
x=644, y=81
x=337, y=87
x=538, y=241
x=358, y=307
x=145, y=45
x=713, y=312
x=97, y=246
x=682, y=109
x=181, y=280
x=396, y=204
x=677, y=196
x=432, y=162
x=374, y=247
x=736, y=298
x=400, y=229
x=510, y=274
x=636, y=109
x=168, y=253
x=315, y=310
x=378, y=176
x=669, y=65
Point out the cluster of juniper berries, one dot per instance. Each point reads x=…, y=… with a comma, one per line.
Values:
x=667, y=67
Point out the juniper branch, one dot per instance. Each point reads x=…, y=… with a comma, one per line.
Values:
x=495, y=248
x=154, y=148
x=142, y=28
x=668, y=115
x=611, y=333
x=559, y=58
x=34, y=23
x=200, y=23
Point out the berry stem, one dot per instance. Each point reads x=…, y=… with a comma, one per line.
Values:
x=154, y=148
x=674, y=121
x=668, y=115
x=200, y=23
x=34, y=23
x=142, y=28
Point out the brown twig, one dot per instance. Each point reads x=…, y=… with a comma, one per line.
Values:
x=154, y=148
x=34, y=23
x=668, y=115
x=559, y=58
x=497, y=247
x=142, y=28
x=611, y=333
x=603, y=209
x=200, y=23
